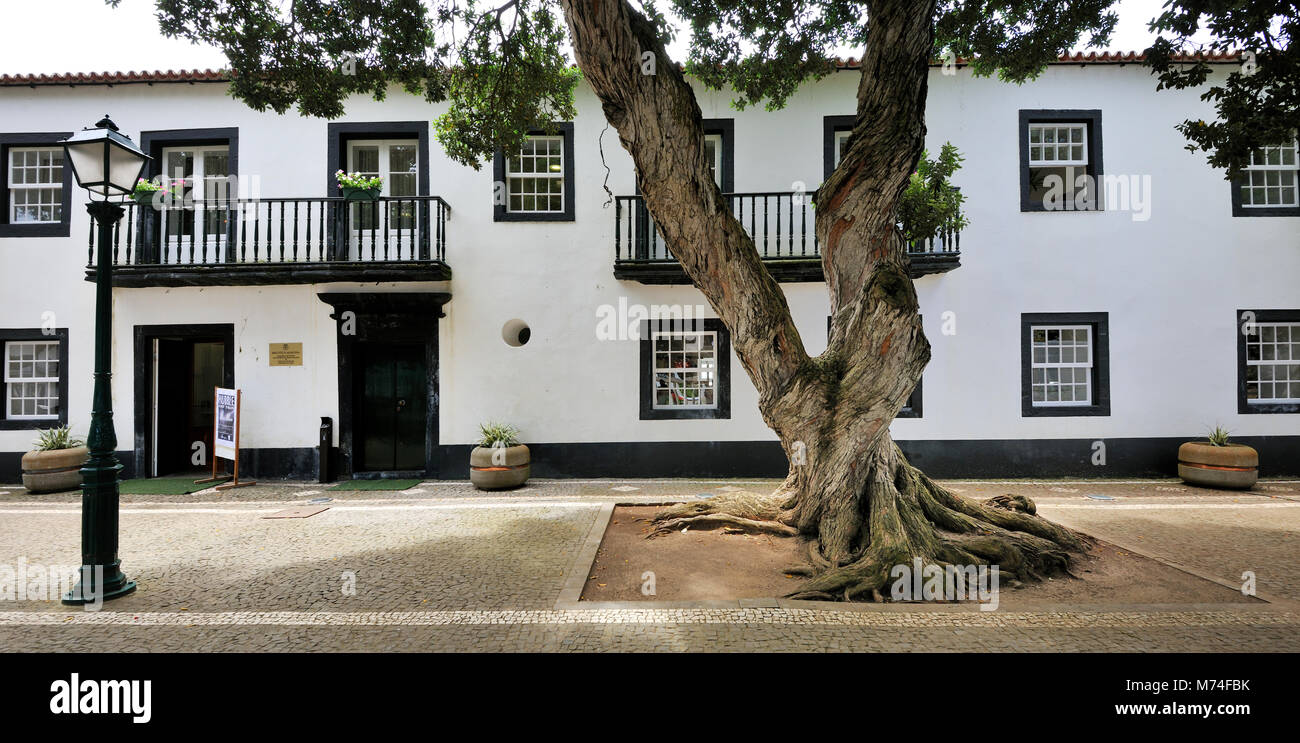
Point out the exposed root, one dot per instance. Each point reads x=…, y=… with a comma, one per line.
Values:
x=1012, y=502
x=741, y=503
x=899, y=516
x=722, y=519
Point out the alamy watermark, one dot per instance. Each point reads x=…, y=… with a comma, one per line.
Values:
x=30, y=581
x=1118, y=193
x=623, y=322
x=931, y=582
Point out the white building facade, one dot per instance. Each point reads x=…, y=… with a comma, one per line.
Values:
x=1083, y=333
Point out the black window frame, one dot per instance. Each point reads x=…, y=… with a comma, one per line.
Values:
x=62, y=228
x=725, y=128
x=912, y=408
x=152, y=143
x=1096, y=169
x=1268, y=211
x=35, y=334
x=1243, y=406
x=499, y=211
x=1100, y=322
x=831, y=125
x=338, y=135
x=647, y=409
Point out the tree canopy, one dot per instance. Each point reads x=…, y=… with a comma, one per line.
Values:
x=1258, y=103
x=504, y=69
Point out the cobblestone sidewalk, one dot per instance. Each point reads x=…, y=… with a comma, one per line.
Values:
x=437, y=568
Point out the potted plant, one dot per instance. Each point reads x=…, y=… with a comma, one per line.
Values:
x=145, y=191
x=358, y=187
x=499, y=461
x=1215, y=463
x=55, y=463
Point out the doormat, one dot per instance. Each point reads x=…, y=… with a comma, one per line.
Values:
x=376, y=485
x=164, y=486
x=297, y=513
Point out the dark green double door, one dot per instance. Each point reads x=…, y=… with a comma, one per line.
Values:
x=391, y=406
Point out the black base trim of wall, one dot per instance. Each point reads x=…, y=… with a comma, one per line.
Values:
x=1279, y=456
x=990, y=458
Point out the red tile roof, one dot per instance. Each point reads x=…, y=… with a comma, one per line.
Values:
x=117, y=78
x=219, y=76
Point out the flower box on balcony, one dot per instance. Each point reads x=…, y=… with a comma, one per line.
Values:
x=360, y=194
x=358, y=187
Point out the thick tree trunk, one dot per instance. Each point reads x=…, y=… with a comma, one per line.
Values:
x=849, y=490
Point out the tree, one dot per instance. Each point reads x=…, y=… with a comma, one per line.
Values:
x=850, y=491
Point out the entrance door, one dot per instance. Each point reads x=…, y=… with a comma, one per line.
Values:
x=184, y=373
x=391, y=403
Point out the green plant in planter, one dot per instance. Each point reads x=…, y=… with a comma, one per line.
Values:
x=499, y=461
x=56, y=438
x=1216, y=463
x=358, y=187
x=498, y=435
x=54, y=463
x=1218, y=436
x=931, y=204
x=145, y=190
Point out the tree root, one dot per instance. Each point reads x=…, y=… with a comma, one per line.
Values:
x=904, y=516
x=741, y=503
x=722, y=519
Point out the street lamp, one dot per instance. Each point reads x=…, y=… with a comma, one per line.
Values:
x=107, y=164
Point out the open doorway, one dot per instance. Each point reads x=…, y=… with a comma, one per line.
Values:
x=177, y=368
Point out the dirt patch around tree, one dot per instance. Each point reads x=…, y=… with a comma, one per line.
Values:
x=701, y=565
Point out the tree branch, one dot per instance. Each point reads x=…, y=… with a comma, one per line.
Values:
x=659, y=123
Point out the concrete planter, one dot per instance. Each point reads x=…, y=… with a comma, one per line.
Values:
x=498, y=469
x=53, y=470
x=1233, y=466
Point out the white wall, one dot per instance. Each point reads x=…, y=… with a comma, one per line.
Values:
x=1171, y=284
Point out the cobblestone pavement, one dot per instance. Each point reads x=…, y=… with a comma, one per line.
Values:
x=440, y=567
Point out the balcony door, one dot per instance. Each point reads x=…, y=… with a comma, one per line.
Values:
x=388, y=228
x=196, y=222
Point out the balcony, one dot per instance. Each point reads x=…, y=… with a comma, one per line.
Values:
x=782, y=226
x=241, y=242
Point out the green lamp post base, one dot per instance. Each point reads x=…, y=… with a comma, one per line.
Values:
x=114, y=585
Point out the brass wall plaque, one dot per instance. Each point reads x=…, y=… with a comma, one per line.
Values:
x=286, y=354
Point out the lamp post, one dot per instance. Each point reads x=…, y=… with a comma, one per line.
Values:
x=106, y=164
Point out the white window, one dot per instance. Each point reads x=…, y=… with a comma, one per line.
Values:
x=204, y=172
x=1058, y=158
x=713, y=153
x=35, y=185
x=31, y=379
x=535, y=177
x=199, y=180
x=1270, y=179
x=1057, y=145
x=397, y=161
x=685, y=369
x=1061, y=370
x=1273, y=363
x=841, y=144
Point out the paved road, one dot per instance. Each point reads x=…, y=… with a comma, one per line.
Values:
x=442, y=568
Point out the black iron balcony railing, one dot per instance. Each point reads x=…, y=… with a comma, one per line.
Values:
x=281, y=240
x=782, y=227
